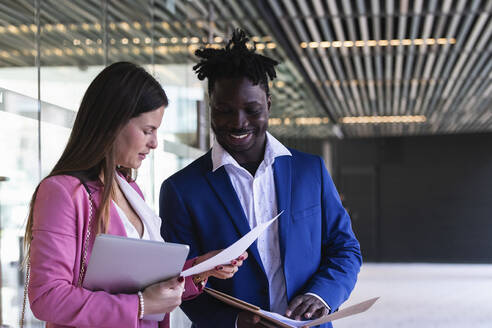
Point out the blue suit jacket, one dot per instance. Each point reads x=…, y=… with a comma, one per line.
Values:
x=319, y=251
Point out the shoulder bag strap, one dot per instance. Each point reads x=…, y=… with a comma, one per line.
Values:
x=83, y=265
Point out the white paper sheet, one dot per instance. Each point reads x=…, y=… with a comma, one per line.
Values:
x=288, y=321
x=230, y=253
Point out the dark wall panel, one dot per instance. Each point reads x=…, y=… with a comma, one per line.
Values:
x=433, y=196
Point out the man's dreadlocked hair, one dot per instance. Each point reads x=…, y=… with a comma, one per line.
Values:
x=233, y=61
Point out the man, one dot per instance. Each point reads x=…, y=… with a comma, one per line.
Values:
x=306, y=263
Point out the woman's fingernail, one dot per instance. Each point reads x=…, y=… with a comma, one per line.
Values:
x=181, y=279
x=241, y=258
x=234, y=262
x=220, y=267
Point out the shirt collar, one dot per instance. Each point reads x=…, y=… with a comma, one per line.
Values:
x=273, y=149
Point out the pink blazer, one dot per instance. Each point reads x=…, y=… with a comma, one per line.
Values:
x=61, y=214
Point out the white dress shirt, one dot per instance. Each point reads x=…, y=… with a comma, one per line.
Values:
x=259, y=202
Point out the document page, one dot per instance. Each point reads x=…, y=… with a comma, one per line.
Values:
x=282, y=319
x=232, y=252
x=346, y=312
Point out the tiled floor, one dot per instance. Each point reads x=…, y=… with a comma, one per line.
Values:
x=423, y=295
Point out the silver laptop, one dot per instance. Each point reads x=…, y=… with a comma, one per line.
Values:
x=127, y=265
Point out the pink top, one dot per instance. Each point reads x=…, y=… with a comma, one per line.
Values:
x=61, y=214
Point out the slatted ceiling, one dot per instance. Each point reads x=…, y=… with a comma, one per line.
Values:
x=286, y=27
x=467, y=59
x=449, y=83
x=405, y=68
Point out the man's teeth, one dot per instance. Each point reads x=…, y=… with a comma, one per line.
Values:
x=239, y=136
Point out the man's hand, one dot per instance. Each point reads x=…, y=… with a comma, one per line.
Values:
x=247, y=320
x=306, y=307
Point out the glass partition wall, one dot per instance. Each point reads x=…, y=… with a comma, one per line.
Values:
x=49, y=53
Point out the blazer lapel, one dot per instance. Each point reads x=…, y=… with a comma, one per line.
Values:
x=221, y=184
x=116, y=226
x=282, y=173
x=219, y=180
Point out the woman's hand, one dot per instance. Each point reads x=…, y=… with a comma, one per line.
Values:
x=163, y=297
x=222, y=271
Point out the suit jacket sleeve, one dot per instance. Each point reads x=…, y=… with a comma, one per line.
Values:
x=340, y=254
x=177, y=226
x=53, y=295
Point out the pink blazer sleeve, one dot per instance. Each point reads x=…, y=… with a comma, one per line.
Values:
x=191, y=290
x=55, y=250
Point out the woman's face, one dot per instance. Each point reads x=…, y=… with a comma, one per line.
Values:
x=137, y=138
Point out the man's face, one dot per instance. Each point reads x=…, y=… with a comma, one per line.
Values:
x=240, y=112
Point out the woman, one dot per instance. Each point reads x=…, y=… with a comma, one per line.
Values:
x=90, y=191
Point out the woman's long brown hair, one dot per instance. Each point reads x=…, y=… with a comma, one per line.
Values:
x=120, y=92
